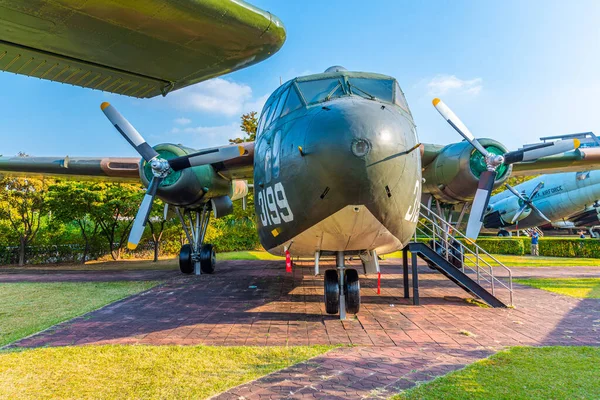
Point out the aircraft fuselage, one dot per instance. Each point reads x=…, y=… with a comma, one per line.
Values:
x=561, y=196
x=337, y=174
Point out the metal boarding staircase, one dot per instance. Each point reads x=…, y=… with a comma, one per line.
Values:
x=461, y=260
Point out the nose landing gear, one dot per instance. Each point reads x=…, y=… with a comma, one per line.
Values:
x=342, y=292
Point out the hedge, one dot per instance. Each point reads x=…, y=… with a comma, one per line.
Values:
x=549, y=247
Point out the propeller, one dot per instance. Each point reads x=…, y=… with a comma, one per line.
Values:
x=527, y=202
x=493, y=161
x=160, y=166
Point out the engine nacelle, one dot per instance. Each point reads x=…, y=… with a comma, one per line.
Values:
x=501, y=213
x=454, y=174
x=194, y=186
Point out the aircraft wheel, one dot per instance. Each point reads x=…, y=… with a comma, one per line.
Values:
x=352, y=291
x=186, y=265
x=332, y=291
x=208, y=259
x=503, y=233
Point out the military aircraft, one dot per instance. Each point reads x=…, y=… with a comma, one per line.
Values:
x=565, y=200
x=337, y=165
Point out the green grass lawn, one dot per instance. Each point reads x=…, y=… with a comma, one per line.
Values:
x=139, y=372
x=584, y=288
x=521, y=373
x=26, y=308
x=529, y=261
x=247, y=255
x=165, y=263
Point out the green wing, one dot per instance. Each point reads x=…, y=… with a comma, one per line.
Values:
x=138, y=48
x=103, y=168
x=581, y=159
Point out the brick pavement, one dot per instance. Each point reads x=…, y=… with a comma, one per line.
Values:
x=257, y=303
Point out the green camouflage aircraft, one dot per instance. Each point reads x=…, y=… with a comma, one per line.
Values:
x=337, y=165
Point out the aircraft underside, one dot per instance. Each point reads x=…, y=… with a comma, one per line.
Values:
x=353, y=229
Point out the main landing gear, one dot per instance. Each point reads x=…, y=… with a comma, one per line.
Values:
x=196, y=256
x=342, y=291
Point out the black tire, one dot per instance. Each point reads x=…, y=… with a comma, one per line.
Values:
x=352, y=291
x=503, y=233
x=332, y=291
x=208, y=259
x=186, y=265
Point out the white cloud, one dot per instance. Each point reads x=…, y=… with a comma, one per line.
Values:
x=257, y=104
x=182, y=121
x=206, y=136
x=217, y=95
x=444, y=84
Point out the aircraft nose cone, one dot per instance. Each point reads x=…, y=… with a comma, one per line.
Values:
x=355, y=147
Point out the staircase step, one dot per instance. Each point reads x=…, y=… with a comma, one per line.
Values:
x=454, y=274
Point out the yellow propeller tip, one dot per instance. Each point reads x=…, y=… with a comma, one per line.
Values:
x=577, y=143
x=435, y=101
x=104, y=105
x=242, y=150
x=131, y=246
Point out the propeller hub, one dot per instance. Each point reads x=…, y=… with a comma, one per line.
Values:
x=160, y=167
x=493, y=161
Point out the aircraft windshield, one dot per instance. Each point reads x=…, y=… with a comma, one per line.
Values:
x=321, y=90
x=380, y=89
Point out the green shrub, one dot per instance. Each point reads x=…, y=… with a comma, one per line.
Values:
x=507, y=246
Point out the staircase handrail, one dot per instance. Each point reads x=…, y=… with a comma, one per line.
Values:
x=477, y=253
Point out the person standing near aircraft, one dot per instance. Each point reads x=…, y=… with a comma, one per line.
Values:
x=535, y=249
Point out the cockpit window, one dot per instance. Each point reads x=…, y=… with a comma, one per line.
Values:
x=374, y=89
x=262, y=119
x=321, y=90
x=399, y=98
x=292, y=103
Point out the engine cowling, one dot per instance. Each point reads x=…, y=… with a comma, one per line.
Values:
x=501, y=213
x=453, y=175
x=194, y=186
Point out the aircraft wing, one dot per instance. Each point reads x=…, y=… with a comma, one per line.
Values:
x=110, y=168
x=577, y=160
x=137, y=48
x=103, y=168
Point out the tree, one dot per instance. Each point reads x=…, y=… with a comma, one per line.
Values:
x=248, y=126
x=115, y=213
x=156, y=223
x=76, y=201
x=22, y=204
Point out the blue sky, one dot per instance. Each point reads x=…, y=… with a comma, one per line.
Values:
x=512, y=70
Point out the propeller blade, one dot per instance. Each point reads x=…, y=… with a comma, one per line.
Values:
x=129, y=132
x=541, y=214
x=544, y=150
x=166, y=211
x=513, y=191
x=142, y=215
x=208, y=156
x=458, y=125
x=480, y=203
x=518, y=214
x=535, y=191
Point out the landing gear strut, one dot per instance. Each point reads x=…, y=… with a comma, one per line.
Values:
x=342, y=292
x=196, y=257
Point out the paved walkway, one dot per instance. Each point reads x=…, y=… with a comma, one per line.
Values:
x=257, y=303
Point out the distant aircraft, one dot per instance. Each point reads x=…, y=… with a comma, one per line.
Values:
x=567, y=200
x=337, y=165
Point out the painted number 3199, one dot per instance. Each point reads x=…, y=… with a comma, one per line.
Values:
x=273, y=207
